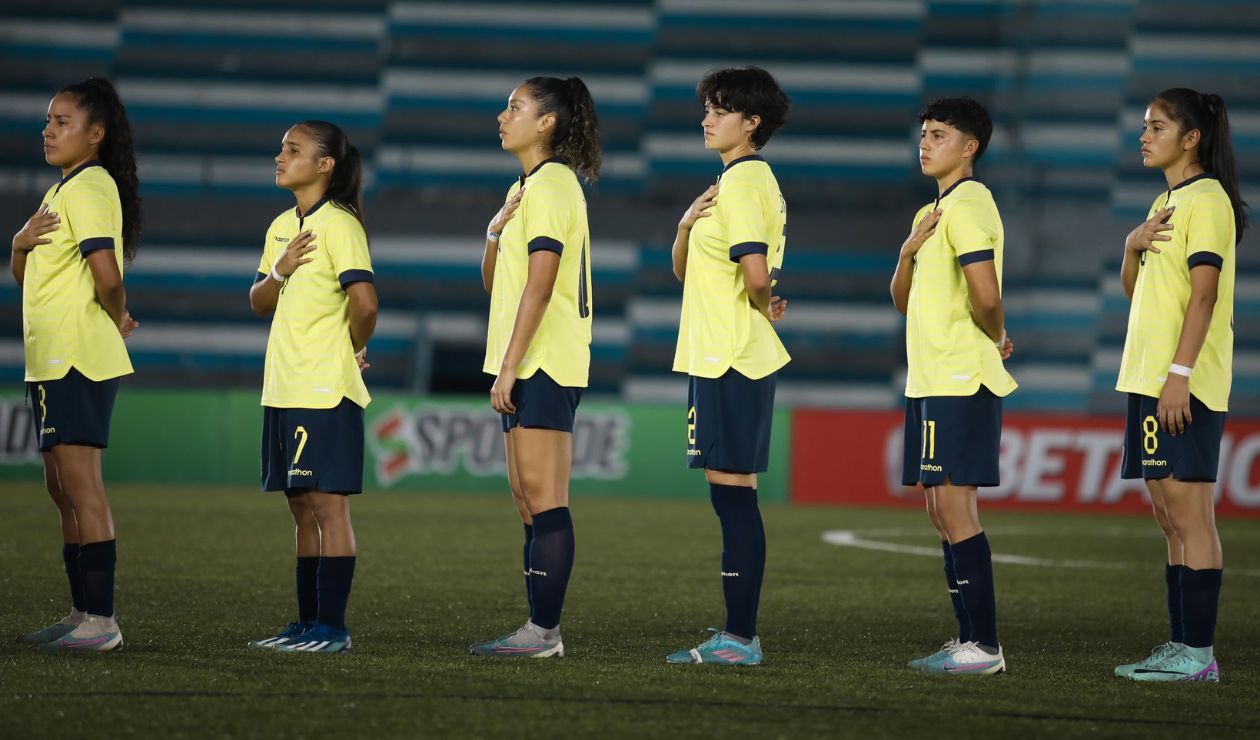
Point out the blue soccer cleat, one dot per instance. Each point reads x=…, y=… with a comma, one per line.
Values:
x=286, y=635
x=1158, y=655
x=721, y=649
x=320, y=638
x=935, y=658
x=1187, y=664
x=967, y=659
x=530, y=641
x=54, y=631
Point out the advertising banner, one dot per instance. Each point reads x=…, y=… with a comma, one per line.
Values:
x=1048, y=462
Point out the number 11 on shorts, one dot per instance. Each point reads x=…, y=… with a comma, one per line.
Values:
x=929, y=440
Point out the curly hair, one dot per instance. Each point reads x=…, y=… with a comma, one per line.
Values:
x=576, y=135
x=750, y=91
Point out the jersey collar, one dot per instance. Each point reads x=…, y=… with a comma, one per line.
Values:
x=749, y=158
x=951, y=189
x=1196, y=178
x=303, y=216
x=549, y=160
x=77, y=170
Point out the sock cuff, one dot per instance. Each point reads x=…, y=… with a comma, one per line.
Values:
x=70, y=550
x=552, y=520
x=731, y=497
x=308, y=562
x=970, y=549
x=1208, y=578
x=98, y=554
x=1172, y=574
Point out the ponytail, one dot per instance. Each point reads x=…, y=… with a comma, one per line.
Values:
x=345, y=188
x=98, y=98
x=576, y=135
x=1206, y=112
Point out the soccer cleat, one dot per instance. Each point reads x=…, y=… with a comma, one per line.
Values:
x=721, y=649
x=967, y=658
x=936, y=657
x=57, y=629
x=530, y=641
x=320, y=638
x=1183, y=665
x=94, y=634
x=288, y=634
x=1157, y=655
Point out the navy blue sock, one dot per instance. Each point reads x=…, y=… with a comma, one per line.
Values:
x=973, y=572
x=550, y=563
x=743, y=555
x=1200, y=593
x=529, y=540
x=333, y=581
x=1172, y=579
x=96, y=571
x=308, y=588
x=70, y=555
x=955, y=597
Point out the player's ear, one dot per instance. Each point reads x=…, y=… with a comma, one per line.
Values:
x=751, y=123
x=970, y=148
x=1190, y=139
x=546, y=122
x=96, y=134
x=326, y=165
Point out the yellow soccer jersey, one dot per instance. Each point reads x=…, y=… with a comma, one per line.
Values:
x=552, y=217
x=720, y=328
x=947, y=353
x=310, y=359
x=1202, y=234
x=63, y=325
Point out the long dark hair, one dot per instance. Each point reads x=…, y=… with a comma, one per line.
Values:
x=576, y=135
x=1206, y=112
x=98, y=98
x=345, y=189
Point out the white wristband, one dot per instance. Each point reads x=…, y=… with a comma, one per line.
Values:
x=275, y=275
x=491, y=236
x=1179, y=369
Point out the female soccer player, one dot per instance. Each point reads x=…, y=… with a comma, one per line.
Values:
x=1178, y=271
x=68, y=259
x=727, y=253
x=315, y=277
x=948, y=284
x=537, y=270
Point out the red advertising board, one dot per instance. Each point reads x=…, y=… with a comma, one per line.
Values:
x=1048, y=462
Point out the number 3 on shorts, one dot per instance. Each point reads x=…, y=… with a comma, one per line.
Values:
x=299, y=432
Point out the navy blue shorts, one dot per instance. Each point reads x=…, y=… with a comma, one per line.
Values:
x=542, y=403
x=952, y=440
x=728, y=422
x=313, y=449
x=1152, y=453
x=72, y=410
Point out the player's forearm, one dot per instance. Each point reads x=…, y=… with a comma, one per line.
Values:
x=679, y=253
x=264, y=295
x=18, y=265
x=900, y=286
x=488, y=260
x=113, y=298
x=529, y=316
x=1129, y=272
x=990, y=319
x=1194, y=328
x=362, y=326
x=759, y=296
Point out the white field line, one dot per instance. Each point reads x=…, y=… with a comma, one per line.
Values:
x=853, y=538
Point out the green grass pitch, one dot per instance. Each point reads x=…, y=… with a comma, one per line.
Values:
x=202, y=571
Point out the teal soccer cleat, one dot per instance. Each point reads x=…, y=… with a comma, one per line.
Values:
x=94, y=634
x=967, y=659
x=284, y=636
x=530, y=641
x=1187, y=664
x=54, y=631
x=1157, y=655
x=935, y=658
x=721, y=649
x=320, y=638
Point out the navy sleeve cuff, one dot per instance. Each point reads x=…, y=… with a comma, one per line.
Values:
x=95, y=243
x=746, y=248
x=258, y=278
x=970, y=258
x=1205, y=258
x=350, y=277
x=545, y=243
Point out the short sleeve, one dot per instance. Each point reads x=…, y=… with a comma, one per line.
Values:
x=1209, y=231
x=547, y=212
x=746, y=215
x=89, y=210
x=347, y=246
x=972, y=231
